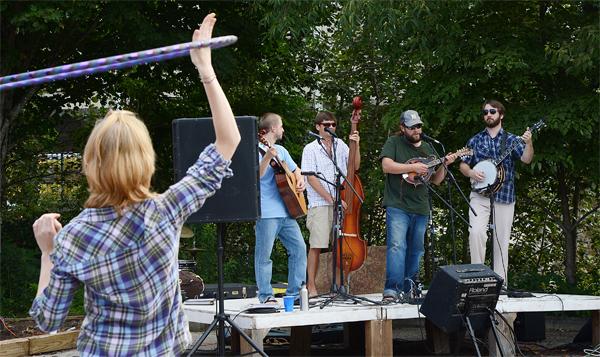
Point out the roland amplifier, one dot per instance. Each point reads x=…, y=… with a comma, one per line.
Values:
x=462, y=290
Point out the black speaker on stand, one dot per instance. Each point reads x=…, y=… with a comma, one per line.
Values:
x=463, y=296
x=238, y=200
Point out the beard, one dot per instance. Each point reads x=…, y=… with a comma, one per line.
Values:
x=415, y=138
x=493, y=123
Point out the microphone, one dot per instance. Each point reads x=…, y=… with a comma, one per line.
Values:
x=310, y=173
x=310, y=133
x=427, y=137
x=330, y=131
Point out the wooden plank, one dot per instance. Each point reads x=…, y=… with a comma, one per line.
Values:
x=595, y=327
x=56, y=342
x=15, y=347
x=235, y=342
x=505, y=337
x=300, y=340
x=378, y=338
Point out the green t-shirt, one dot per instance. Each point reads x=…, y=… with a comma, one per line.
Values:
x=398, y=193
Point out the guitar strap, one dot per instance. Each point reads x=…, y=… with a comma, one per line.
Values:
x=274, y=165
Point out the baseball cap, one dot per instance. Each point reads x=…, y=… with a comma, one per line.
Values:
x=410, y=118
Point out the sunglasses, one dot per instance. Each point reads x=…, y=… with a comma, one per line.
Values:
x=327, y=125
x=491, y=111
x=416, y=126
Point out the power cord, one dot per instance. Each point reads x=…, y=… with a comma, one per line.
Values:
x=595, y=352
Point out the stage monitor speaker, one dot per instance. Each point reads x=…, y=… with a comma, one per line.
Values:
x=238, y=199
x=458, y=291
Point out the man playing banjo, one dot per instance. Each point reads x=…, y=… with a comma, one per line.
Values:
x=489, y=177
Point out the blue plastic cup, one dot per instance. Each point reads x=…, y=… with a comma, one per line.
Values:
x=288, y=303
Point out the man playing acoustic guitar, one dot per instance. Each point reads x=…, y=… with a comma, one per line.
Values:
x=275, y=220
x=406, y=204
x=490, y=144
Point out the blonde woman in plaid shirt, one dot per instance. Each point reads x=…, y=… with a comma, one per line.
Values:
x=123, y=246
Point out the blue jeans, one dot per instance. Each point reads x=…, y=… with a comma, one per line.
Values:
x=288, y=231
x=405, y=236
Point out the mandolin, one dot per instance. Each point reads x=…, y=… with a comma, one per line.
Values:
x=431, y=162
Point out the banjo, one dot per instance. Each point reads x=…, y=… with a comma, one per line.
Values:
x=493, y=169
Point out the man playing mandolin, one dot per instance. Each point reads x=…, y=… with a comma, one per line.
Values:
x=406, y=204
x=275, y=220
x=488, y=146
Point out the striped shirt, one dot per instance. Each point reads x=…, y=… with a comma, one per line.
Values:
x=315, y=158
x=485, y=147
x=128, y=265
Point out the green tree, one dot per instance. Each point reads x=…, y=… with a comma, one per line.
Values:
x=443, y=59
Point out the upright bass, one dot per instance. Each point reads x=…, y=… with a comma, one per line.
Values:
x=354, y=248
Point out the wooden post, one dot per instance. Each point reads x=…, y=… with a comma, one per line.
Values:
x=300, y=340
x=595, y=327
x=257, y=336
x=505, y=336
x=437, y=339
x=379, y=338
x=354, y=337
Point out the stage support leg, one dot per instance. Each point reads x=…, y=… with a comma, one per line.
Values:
x=354, y=337
x=300, y=340
x=257, y=336
x=508, y=346
x=595, y=327
x=379, y=338
x=437, y=339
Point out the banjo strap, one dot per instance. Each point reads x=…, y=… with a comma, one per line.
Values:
x=503, y=143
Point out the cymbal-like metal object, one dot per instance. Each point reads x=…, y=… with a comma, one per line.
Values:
x=193, y=249
x=186, y=232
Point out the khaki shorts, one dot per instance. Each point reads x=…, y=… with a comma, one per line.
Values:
x=318, y=222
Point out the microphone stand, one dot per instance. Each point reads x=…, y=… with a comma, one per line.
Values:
x=455, y=183
x=420, y=179
x=338, y=213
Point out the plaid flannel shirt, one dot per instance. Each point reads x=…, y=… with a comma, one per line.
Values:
x=128, y=264
x=485, y=147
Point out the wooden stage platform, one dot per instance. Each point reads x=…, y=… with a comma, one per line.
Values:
x=377, y=319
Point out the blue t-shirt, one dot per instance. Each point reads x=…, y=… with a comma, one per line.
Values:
x=271, y=203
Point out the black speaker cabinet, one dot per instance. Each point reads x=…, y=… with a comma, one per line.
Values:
x=530, y=326
x=239, y=197
x=457, y=291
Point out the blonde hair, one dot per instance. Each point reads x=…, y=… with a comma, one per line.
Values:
x=118, y=161
x=268, y=120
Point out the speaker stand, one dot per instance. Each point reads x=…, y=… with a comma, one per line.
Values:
x=221, y=317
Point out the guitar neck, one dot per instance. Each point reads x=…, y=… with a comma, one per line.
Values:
x=508, y=151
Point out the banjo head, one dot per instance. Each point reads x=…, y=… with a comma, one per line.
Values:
x=489, y=169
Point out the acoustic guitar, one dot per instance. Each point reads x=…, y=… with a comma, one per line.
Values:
x=431, y=162
x=286, y=184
